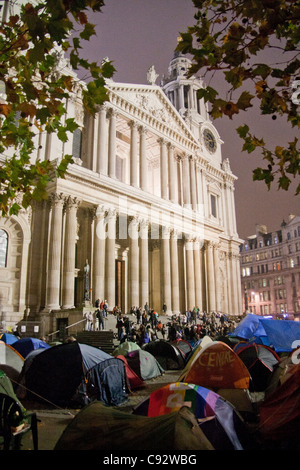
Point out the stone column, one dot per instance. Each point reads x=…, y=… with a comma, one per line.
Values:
x=98, y=254
x=110, y=247
x=133, y=154
x=143, y=160
x=172, y=174
x=174, y=273
x=218, y=281
x=54, y=256
x=102, y=139
x=144, y=263
x=228, y=257
x=37, y=255
x=163, y=169
x=193, y=184
x=198, y=274
x=166, y=268
x=211, y=288
x=112, y=143
x=190, y=275
x=133, y=262
x=69, y=252
x=186, y=183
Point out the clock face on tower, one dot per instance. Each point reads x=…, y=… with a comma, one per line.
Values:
x=209, y=141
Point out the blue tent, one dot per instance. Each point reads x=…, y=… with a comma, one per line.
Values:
x=25, y=345
x=277, y=334
x=8, y=338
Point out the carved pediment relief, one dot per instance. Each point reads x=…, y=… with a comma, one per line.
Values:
x=152, y=101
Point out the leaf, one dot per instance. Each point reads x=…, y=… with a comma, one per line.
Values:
x=244, y=100
x=208, y=93
x=5, y=109
x=262, y=70
x=89, y=30
x=230, y=109
x=243, y=131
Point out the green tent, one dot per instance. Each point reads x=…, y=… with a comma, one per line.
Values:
x=124, y=348
x=6, y=385
x=97, y=427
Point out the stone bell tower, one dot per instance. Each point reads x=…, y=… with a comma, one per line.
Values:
x=182, y=92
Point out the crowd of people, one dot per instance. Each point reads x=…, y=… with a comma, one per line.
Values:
x=147, y=326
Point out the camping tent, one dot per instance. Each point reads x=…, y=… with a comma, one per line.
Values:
x=167, y=354
x=280, y=412
x=282, y=372
x=134, y=380
x=25, y=345
x=9, y=356
x=278, y=334
x=107, y=382
x=220, y=422
x=58, y=373
x=6, y=386
x=144, y=364
x=97, y=427
x=194, y=354
x=217, y=366
x=125, y=347
x=8, y=338
x=184, y=347
x=260, y=361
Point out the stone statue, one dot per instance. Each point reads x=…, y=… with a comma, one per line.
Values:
x=152, y=75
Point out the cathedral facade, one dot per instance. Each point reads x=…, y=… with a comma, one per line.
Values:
x=146, y=212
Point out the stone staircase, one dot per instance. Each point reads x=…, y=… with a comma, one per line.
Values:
x=103, y=339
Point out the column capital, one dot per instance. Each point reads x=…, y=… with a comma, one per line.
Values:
x=144, y=223
x=162, y=141
x=56, y=199
x=165, y=233
x=71, y=202
x=142, y=129
x=170, y=146
x=111, y=213
x=112, y=112
x=102, y=108
x=174, y=234
x=133, y=124
x=100, y=211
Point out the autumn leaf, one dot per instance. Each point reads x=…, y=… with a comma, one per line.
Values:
x=225, y=43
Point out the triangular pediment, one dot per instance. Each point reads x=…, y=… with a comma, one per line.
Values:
x=150, y=100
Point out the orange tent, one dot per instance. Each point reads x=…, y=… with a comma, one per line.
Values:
x=217, y=366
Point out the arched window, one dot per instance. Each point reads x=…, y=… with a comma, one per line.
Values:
x=3, y=248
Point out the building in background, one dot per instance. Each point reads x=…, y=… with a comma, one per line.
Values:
x=270, y=271
x=146, y=212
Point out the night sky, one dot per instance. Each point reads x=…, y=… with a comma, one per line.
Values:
x=136, y=34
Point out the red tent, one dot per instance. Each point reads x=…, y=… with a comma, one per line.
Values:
x=280, y=412
x=134, y=380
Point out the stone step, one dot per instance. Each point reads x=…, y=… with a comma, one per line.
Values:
x=103, y=340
